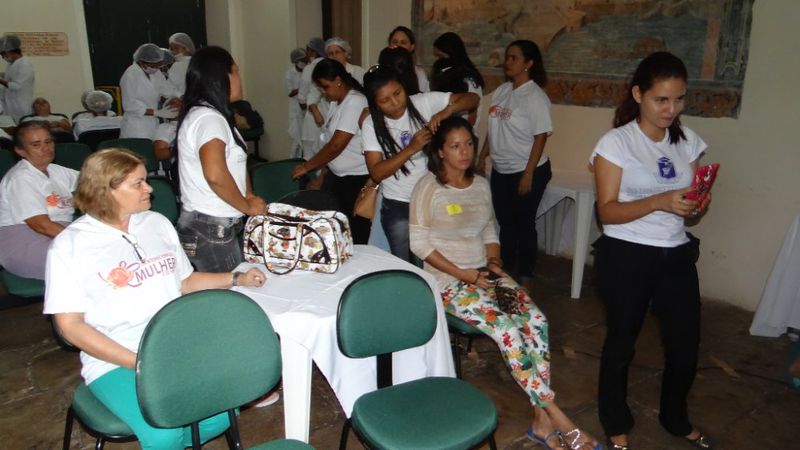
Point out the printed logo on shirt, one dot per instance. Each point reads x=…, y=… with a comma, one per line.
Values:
x=666, y=168
x=499, y=112
x=56, y=201
x=405, y=138
x=136, y=273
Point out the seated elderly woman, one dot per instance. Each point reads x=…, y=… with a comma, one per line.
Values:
x=35, y=202
x=98, y=115
x=452, y=228
x=58, y=123
x=109, y=272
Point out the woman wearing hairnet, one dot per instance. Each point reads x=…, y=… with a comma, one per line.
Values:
x=98, y=116
x=291, y=79
x=16, y=88
x=142, y=87
x=182, y=48
x=309, y=132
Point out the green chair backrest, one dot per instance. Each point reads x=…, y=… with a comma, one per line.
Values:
x=163, y=199
x=273, y=180
x=141, y=146
x=383, y=312
x=314, y=199
x=204, y=353
x=71, y=154
x=6, y=162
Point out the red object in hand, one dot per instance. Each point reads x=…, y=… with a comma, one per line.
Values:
x=703, y=180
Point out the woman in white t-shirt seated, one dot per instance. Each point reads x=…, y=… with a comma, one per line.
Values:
x=453, y=231
x=98, y=115
x=394, y=135
x=108, y=274
x=212, y=164
x=518, y=127
x=342, y=150
x=644, y=168
x=35, y=202
x=58, y=123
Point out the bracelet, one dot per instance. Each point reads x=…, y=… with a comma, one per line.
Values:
x=235, y=278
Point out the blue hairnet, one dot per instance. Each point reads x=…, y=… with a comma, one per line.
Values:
x=168, y=58
x=297, y=54
x=318, y=45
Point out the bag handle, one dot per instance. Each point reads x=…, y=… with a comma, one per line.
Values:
x=298, y=238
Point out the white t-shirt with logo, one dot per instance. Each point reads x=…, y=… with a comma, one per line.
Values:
x=344, y=117
x=399, y=186
x=92, y=269
x=26, y=191
x=649, y=168
x=201, y=125
x=515, y=117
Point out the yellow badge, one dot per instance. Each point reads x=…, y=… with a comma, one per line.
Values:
x=454, y=209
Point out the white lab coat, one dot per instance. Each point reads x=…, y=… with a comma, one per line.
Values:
x=18, y=96
x=177, y=74
x=291, y=79
x=140, y=93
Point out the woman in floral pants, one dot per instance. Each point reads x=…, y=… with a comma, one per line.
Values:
x=452, y=229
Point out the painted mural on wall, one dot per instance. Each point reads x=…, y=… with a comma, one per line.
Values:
x=590, y=47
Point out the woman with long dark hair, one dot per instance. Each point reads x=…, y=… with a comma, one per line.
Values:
x=398, y=128
x=341, y=132
x=402, y=62
x=452, y=230
x=212, y=164
x=519, y=124
x=403, y=37
x=643, y=169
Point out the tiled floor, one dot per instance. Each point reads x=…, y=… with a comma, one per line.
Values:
x=739, y=397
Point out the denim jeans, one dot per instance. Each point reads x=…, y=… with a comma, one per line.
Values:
x=213, y=244
x=394, y=220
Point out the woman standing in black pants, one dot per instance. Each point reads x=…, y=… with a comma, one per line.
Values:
x=519, y=124
x=643, y=169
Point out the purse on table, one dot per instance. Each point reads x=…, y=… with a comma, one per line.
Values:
x=288, y=238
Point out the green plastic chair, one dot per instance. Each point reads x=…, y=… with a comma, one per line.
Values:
x=273, y=180
x=384, y=312
x=163, y=198
x=205, y=353
x=7, y=161
x=141, y=146
x=21, y=286
x=71, y=154
x=90, y=412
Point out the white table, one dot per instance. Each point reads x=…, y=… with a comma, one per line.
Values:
x=302, y=308
x=780, y=304
x=578, y=186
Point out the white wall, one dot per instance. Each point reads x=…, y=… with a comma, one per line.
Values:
x=60, y=79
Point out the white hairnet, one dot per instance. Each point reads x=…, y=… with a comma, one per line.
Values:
x=168, y=58
x=183, y=40
x=150, y=53
x=339, y=42
x=9, y=43
x=297, y=54
x=318, y=45
x=83, y=99
x=98, y=101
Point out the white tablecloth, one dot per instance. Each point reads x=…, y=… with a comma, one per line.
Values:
x=780, y=304
x=302, y=307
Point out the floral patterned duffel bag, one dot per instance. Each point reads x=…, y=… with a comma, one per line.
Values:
x=288, y=238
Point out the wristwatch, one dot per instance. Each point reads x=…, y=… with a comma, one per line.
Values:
x=235, y=278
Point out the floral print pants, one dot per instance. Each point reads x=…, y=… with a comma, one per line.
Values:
x=522, y=337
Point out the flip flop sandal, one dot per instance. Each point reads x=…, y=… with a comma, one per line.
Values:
x=575, y=443
x=612, y=446
x=543, y=440
x=702, y=441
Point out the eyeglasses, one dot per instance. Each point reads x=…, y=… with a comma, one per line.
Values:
x=139, y=251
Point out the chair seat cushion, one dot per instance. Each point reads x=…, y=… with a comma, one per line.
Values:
x=22, y=287
x=459, y=326
x=431, y=413
x=93, y=414
x=283, y=444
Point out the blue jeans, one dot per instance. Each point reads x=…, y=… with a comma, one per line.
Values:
x=117, y=391
x=394, y=220
x=213, y=244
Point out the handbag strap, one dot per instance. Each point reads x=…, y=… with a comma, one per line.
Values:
x=299, y=241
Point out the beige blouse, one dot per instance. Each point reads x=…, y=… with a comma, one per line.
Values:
x=456, y=222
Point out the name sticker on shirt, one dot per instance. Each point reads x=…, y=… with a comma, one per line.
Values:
x=454, y=209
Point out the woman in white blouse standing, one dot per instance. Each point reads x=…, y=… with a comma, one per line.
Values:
x=519, y=124
x=212, y=164
x=341, y=132
x=143, y=85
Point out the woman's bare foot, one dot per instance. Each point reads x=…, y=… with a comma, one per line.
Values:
x=574, y=438
x=619, y=439
x=543, y=429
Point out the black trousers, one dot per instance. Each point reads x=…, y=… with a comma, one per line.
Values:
x=516, y=215
x=632, y=278
x=346, y=190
